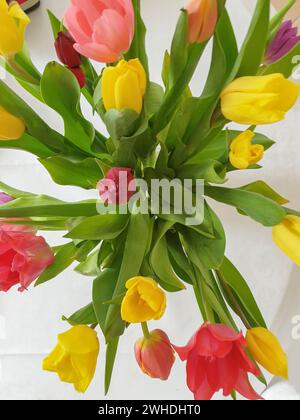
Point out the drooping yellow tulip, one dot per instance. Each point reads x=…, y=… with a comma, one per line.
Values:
x=243, y=153
x=255, y=100
x=124, y=86
x=286, y=235
x=11, y=127
x=74, y=358
x=267, y=351
x=143, y=301
x=13, y=22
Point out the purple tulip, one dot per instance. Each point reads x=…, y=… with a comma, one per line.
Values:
x=283, y=42
x=4, y=198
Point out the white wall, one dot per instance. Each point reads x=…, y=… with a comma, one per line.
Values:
x=31, y=320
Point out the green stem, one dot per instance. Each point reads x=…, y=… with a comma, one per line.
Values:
x=10, y=61
x=166, y=112
x=234, y=303
x=145, y=329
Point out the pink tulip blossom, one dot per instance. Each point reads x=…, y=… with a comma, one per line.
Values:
x=103, y=29
x=23, y=256
x=283, y=42
x=155, y=355
x=117, y=187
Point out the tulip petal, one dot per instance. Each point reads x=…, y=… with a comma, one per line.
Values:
x=244, y=387
x=71, y=341
x=128, y=92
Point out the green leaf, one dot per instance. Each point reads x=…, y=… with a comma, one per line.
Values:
x=89, y=267
x=179, y=49
x=36, y=127
x=101, y=227
x=44, y=206
x=217, y=149
x=61, y=91
x=111, y=352
x=153, y=98
x=121, y=123
x=55, y=23
x=203, y=251
x=84, y=316
x=160, y=262
x=264, y=189
x=178, y=258
x=138, y=45
x=210, y=170
x=84, y=174
x=279, y=16
x=41, y=223
x=256, y=206
x=139, y=231
x=237, y=283
x=64, y=257
x=103, y=290
x=28, y=144
x=253, y=48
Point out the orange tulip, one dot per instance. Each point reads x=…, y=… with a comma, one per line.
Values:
x=203, y=17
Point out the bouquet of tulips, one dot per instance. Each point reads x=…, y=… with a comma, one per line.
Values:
x=150, y=230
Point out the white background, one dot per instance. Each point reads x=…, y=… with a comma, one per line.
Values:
x=29, y=322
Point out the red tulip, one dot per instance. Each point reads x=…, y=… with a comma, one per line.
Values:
x=80, y=75
x=216, y=360
x=155, y=355
x=64, y=45
x=23, y=256
x=117, y=187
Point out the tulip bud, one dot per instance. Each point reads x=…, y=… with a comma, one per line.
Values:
x=267, y=351
x=283, y=42
x=4, y=198
x=115, y=187
x=243, y=153
x=80, y=75
x=255, y=100
x=286, y=235
x=155, y=355
x=64, y=45
x=11, y=127
x=124, y=86
x=203, y=17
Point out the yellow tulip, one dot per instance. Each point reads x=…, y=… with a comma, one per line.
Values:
x=287, y=236
x=13, y=22
x=124, y=86
x=255, y=100
x=267, y=351
x=143, y=301
x=11, y=127
x=243, y=153
x=74, y=358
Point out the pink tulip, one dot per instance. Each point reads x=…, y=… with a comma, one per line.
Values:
x=103, y=29
x=117, y=187
x=4, y=198
x=23, y=256
x=155, y=355
x=217, y=360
